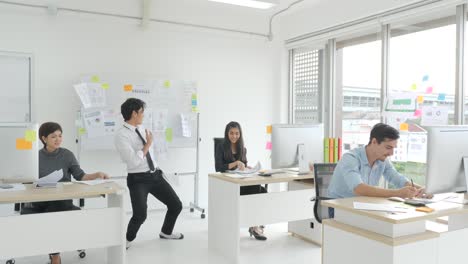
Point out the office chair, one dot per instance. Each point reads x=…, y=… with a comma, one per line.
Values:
x=322, y=176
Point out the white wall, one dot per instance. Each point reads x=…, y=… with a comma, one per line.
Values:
x=236, y=74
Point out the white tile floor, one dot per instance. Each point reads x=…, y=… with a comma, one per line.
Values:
x=148, y=248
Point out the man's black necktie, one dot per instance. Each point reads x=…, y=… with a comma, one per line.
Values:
x=148, y=156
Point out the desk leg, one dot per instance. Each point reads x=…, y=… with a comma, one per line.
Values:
x=223, y=219
x=117, y=254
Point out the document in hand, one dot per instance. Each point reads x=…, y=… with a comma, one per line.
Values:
x=253, y=170
x=50, y=180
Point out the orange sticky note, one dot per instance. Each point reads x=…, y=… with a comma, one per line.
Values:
x=128, y=88
x=425, y=209
x=268, y=129
x=23, y=144
x=420, y=99
x=404, y=127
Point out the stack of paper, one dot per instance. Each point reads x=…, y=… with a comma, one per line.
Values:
x=253, y=170
x=95, y=182
x=50, y=180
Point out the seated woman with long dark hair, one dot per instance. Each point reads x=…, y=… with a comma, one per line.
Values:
x=231, y=155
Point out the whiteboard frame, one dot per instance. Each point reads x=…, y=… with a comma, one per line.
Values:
x=30, y=57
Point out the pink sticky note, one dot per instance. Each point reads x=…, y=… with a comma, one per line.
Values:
x=418, y=113
x=268, y=145
x=429, y=90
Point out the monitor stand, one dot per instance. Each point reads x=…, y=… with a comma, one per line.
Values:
x=303, y=163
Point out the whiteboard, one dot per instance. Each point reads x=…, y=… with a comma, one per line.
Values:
x=15, y=88
x=167, y=101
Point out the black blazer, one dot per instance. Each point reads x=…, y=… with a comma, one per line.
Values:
x=222, y=163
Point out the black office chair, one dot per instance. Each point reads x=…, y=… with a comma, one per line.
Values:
x=217, y=141
x=322, y=176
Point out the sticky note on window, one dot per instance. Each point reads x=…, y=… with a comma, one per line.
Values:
x=268, y=129
x=194, y=102
x=81, y=131
x=418, y=113
x=167, y=84
x=23, y=144
x=128, y=88
x=420, y=99
x=414, y=86
x=441, y=97
x=425, y=78
x=194, y=109
x=30, y=135
x=429, y=90
x=194, y=96
x=169, y=134
x=105, y=86
x=268, y=145
x=95, y=79
x=403, y=127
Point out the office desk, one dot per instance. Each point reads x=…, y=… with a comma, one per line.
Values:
x=229, y=211
x=35, y=234
x=370, y=237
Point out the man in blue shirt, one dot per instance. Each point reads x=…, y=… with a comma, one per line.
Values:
x=359, y=171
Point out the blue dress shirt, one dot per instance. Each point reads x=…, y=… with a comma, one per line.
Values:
x=353, y=169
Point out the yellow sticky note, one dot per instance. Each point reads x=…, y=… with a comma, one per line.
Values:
x=194, y=109
x=169, y=134
x=404, y=127
x=23, y=144
x=420, y=99
x=413, y=86
x=167, y=84
x=95, y=79
x=268, y=129
x=105, y=86
x=128, y=88
x=30, y=135
x=81, y=131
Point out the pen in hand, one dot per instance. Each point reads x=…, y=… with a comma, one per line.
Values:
x=412, y=183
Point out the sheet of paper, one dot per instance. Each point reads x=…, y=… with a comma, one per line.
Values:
x=253, y=170
x=239, y=176
x=94, y=123
x=95, y=182
x=434, y=115
x=186, y=127
x=53, y=177
x=381, y=207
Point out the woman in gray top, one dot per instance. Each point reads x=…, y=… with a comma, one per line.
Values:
x=51, y=158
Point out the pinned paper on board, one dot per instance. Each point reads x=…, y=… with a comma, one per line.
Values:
x=95, y=79
x=434, y=115
x=400, y=153
x=417, y=147
x=94, y=123
x=169, y=134
x=268, y=129
x=128, y=87
x=105, y=86
x=420, y=99
x=418, y=113
x=186, y=127
x=441, y=97
x=30, y=135
x=23, y=144
x=268, y=145
x=401, y=103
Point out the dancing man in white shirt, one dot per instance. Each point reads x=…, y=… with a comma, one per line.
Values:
x=135, y=148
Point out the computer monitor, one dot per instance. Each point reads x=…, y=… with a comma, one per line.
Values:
x=446, y=148
x=20, y=153
x=296, y=146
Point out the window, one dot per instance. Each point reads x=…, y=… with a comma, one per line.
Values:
x=421, y=74
x=306, y=86
x=358, y=83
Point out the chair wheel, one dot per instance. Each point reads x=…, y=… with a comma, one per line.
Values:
x=82, y=254
x=10, y=261
x=202, y=216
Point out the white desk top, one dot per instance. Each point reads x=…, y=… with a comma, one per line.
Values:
x=347, y=204
x=68, y=191
x=275, y=178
